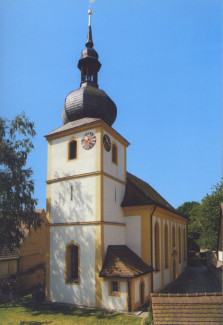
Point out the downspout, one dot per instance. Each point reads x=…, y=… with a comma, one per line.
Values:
x=129, y=296
x=151, y=233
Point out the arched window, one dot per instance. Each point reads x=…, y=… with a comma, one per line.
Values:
x=72, y=263
x=173, y=237
x=179, y=243
x=157, y=247
x=72, y=151
x=166, y=246
x=185, y=245
x=114, y=154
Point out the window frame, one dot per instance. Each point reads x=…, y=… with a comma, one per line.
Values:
x=114, y=161
x=111, y=291
x=69, y=151
x=68, y=263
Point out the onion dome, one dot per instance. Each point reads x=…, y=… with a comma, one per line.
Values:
x=89, y=100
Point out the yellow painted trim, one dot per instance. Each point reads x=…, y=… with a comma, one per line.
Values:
x=125, y=164
x=49, y=175
x=145, y=238
x=98, y=243
x=115, y=146
x=110, y=293
x=85, y=175
x=161, y=212
x=48, y=218
x=49, y=160
x=68, y=149
x=47, y=289
x=67, y=262
x=48, y=202
x=87, y=223
x=84, y=127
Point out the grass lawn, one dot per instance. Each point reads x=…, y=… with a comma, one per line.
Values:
x=27, y=312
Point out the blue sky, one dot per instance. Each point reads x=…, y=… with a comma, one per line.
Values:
x=161, y=65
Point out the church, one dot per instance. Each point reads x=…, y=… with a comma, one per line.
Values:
x=112, y=240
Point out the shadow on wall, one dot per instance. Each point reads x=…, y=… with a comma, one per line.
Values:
x=80, y=208
x=73, y=200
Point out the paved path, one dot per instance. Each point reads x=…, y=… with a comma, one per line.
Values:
x=194, y=280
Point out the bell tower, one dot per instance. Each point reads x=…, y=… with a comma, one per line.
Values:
x=85, y=187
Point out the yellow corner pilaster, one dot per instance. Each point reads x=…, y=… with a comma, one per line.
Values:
x=99, y=214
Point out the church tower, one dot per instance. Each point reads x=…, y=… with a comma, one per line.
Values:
x=85, y=188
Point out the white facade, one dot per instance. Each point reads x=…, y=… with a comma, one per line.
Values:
x=83, y=293
x=62, y=166
x=115, y=302
x=133, y=234
x=73, y=200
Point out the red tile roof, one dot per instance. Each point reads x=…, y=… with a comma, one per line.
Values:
x=186, y=309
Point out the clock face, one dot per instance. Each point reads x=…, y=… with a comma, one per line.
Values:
x=107, y=142
x=88, y=141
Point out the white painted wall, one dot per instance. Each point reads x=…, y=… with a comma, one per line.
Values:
x=61, y=166
x=113, y=302
x=109, y=167
x=146, y=281
x=137, y=288
x=72, y=294
x=166, y=276
x=113, y=196
x=133, y=233
x=81, y=207
x=113, y=235
x=156, y=280
x=137, y=291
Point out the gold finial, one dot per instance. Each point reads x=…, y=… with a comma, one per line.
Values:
x=89, y=13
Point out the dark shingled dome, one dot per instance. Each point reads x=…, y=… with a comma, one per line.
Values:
x=89, y=102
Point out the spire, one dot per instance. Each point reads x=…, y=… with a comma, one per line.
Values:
x=89, y=43
x=88, y=63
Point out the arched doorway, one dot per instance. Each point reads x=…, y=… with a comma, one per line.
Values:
x=174, y=269
x=142, y=292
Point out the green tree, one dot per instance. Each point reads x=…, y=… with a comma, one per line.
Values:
x=203, y=219
x=192, y=211
x=16, y=185
x=209, y=217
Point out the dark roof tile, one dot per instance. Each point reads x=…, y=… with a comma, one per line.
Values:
x=139, y=193
x=122, y=262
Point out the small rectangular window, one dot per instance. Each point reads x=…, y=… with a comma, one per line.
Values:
x=114, y=286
